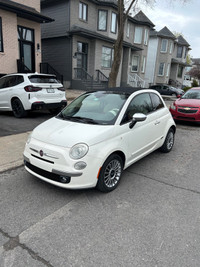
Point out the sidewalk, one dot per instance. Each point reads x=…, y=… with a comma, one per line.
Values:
x=12, y=146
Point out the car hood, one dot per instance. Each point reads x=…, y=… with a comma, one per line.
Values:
x=188, y=102
x=67, y=133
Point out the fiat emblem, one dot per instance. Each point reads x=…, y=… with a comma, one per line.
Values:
x=41, y=153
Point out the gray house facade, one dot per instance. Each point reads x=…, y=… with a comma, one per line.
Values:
x=79, y=43
x=166, y=58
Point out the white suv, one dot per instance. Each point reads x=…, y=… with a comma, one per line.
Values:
x=23, y=92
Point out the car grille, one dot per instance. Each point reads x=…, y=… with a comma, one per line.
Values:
x=187, y=110
x=48, y=175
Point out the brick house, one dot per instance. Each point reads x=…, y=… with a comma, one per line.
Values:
x=79, y=43
x=166, y=58
x=20, y=36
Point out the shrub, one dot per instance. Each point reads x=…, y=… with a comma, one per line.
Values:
x=195, y=83
x=186, y=88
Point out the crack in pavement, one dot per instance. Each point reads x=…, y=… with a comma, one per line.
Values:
x=165, y=183
x=14, y=242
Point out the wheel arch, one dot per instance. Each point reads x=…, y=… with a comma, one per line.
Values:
x=120, y=154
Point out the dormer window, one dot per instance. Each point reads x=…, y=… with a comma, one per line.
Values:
x=164, y=45
x=138, y=35
x=114, y=22
x=102, y=20
x=146, y=36
x=83, y=11
x=179, y=52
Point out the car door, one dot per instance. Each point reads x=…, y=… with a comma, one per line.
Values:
x=142, y=138
x=6, y=91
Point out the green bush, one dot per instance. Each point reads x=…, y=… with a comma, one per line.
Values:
x=186, y=88
x=195, y=83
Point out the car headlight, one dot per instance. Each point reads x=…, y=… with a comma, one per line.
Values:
x=78, y=151
x=29, y=138
x=173, y=106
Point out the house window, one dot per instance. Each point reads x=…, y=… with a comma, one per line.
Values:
x=164, y=45
x=161, y=69
x=171, y=48
x=180, y=72
x=83, y=11
x=107, y=57
x=135, y=63
x=138, y=35
x=143, y=64
x=102, y=20
x=179, y=52
x=1, y=36
x=185, y=52
x=146, y=35
x=128, y=30
x=114, y=22
x=168, y=67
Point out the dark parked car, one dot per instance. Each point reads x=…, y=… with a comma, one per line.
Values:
x=165, y=89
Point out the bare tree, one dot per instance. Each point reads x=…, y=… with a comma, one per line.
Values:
x=124, y=7
x=195, y=73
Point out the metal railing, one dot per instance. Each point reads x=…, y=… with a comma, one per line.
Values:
x=135, y=81
x=81, y=74
x=48, y=69
x=100, y=77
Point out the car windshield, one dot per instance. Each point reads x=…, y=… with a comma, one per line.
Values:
x=42, y=79
x=95, y=108
x=192, y=94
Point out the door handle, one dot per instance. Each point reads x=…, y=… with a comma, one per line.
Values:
x=157, y=122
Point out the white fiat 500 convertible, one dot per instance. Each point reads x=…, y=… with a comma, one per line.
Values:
x=101, y=133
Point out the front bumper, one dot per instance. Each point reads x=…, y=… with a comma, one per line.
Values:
x=41, y=105
x=195, y=117
x=57, y=168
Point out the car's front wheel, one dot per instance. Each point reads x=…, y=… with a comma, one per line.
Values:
x=110, y=173
x=18, y=109
x=169, y=141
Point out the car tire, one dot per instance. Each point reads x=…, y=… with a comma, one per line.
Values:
x=110, y=174
x=169, y=142
x=18, y=109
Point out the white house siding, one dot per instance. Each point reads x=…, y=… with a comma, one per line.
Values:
x=151, y=61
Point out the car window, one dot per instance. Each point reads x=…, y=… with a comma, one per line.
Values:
x=2, y=82
x=192, y=94
x=156, y=101
x=42, y=79
x=19, y=79
x=140, y=104
x=165, y=87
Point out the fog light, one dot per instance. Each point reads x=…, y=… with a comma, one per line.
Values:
x=80, y=165
x=64, y=179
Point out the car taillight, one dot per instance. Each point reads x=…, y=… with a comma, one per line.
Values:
x=61, y=88
x=30, y=88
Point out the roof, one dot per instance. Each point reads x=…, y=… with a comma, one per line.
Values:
x=24, y=11
x=182, y=41
x=196, y=61
x=164, y=32
x=92, y=34
x=176, y=61
x=141, y=18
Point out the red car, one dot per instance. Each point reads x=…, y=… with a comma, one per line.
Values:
x=187, y=108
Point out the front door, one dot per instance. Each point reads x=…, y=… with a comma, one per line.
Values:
x=82, y=58
x=26, y=49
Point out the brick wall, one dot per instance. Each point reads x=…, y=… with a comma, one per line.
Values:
x=31, y=3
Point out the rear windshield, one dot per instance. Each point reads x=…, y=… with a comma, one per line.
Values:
x=42, y=79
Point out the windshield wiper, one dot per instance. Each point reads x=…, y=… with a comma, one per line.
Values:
x=84, y=120
x=76, y=118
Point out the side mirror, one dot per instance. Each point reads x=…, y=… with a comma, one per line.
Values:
x=137, y=117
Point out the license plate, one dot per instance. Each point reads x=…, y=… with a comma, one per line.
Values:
x=50, y=90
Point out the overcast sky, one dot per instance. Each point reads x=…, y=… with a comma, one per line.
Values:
x=178, y=17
